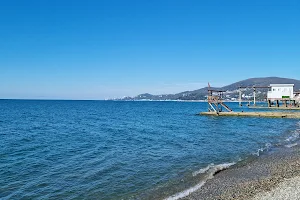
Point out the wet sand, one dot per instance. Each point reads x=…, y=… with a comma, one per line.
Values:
x=271, y=176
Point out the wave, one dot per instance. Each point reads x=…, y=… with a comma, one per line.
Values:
x=203, y=170
x=211, y=170
x=295, y=135
x=260, y=150
x=291, y=140
x=291, y=145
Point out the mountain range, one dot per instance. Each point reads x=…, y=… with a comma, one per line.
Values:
x=231, y=91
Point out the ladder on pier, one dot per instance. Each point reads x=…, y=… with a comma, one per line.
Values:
x=215, y=102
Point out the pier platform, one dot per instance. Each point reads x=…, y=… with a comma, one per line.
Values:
x=255, y=114
x=276, y=108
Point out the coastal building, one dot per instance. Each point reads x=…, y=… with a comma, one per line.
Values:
x=281, y=93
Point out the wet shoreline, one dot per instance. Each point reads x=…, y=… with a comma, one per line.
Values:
x=246, y=180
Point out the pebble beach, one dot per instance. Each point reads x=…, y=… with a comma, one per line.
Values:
x=275, y=175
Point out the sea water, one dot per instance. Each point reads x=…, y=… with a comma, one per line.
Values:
x=124, y=150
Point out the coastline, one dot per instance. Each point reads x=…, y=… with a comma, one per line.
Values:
x=271, y=174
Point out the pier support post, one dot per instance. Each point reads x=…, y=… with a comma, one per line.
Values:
x=240, y=97
x=254, y=100
x=285, y=103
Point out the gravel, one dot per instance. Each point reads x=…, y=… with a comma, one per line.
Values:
x=272, y=176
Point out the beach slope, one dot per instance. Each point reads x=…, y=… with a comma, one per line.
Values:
x=275, y=175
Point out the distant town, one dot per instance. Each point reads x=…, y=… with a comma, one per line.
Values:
x=231, y=92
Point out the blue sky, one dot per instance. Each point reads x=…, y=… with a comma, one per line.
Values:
x=57, y=49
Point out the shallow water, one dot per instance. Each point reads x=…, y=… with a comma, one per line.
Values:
x=121, y=150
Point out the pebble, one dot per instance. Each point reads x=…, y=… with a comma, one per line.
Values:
x=261, y=175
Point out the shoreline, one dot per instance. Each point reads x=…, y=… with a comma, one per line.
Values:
x=269, y=174
x=248, y=177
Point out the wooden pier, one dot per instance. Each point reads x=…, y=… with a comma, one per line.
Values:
x=255, y=114
x=215, y=105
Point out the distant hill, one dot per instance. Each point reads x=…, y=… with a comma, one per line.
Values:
x=231, y=89
x=262, y=82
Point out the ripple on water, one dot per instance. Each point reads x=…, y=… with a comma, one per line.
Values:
x=115, y=150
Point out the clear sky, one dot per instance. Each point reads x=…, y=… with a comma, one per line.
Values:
x=101, y=49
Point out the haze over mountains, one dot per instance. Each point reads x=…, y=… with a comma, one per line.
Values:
x=230, y=94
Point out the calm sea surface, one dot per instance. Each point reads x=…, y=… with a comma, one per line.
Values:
x=121, y=150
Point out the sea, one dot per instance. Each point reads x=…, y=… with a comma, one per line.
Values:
x=61, y=149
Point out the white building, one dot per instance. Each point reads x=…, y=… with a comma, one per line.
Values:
x=281, y=92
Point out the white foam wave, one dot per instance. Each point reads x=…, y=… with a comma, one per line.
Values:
x=266, y=147
x=295, y=135
x=203, y=170
x=211, y=171
x=291, y=145
x=186, y=192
